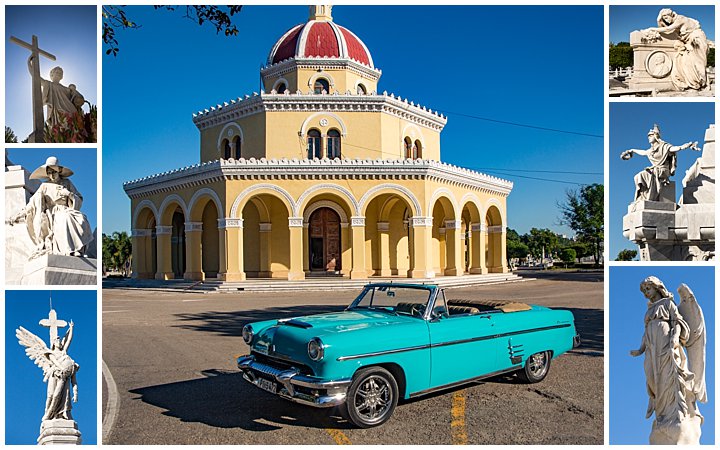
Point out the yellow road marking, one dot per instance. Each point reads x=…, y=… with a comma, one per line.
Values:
x=457, y=425
x=338, y=436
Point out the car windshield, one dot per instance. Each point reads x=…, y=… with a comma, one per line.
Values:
x=405, y=300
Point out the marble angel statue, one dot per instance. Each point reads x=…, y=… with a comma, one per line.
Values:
x=674, y=349
x=58, y=367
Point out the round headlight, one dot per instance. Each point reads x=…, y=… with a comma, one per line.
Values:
x=316, y=349
x=247, y=334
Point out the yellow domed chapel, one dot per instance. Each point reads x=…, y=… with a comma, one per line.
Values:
x=318, y=174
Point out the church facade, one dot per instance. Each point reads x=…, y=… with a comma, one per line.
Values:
x=318, y=174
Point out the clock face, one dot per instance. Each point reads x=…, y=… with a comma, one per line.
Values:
x=658, y=64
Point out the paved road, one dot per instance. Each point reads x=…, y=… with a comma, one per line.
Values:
x=171, y=356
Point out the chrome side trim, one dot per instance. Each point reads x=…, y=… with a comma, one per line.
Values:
x=469, y=380
x=444, y=344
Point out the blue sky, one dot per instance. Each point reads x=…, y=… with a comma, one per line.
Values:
x=68, y=32
x=625, y=19
x=82, y=161
x=628, y=399
x=629, y=124
x=25, y=392
x=546, y=76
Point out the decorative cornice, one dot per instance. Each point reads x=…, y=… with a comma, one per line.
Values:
x=163, y=229
x=230, y=222
x=141, y=232
x=193, y=226
x=310, y=102
x=453, y=224
x=295, y=222
x=477, y=227
x=496, y=229
x=383, y=226
x=325, y=169
x=421, y=222
x=292, y=64
x=357, y=221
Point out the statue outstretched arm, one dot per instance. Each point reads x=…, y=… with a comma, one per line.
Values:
x=627, y=154
x=669, y=28
x=690, y=145
x=68, y=336
x=639, y=351
x=16, y=218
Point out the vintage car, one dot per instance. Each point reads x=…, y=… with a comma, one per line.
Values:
x=400, y=341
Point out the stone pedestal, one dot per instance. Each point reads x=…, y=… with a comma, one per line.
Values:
x=652, y=63
x=60, y=269
x=18, y=190
x=666, y=231
x=59, y=431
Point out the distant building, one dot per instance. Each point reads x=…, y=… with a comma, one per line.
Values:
x=318, y=174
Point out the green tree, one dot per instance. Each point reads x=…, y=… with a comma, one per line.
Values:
x=116, y=251
x=567, y=255
x=711, y=57
x=626, y=255
x=10, y=137
x=515, y=247
x=541, y=240
x=621, y=55
x=115, y=17
x=583, y=213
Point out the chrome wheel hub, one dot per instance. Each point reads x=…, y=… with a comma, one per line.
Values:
x=373, y=398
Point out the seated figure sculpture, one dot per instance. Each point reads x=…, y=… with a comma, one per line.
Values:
x=663, y=160
x=52, y=215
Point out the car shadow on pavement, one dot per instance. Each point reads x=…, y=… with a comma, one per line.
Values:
x=561, y=275
x=589, y=325
x=223, y=399
x=231, y=323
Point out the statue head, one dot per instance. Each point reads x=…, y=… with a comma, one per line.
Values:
x=653, y=289
x=666, y=17
x=51, y=170
x=56, y=74
x=654, y=134
x=56, y=343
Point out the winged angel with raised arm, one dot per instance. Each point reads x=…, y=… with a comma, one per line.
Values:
x=58, y=370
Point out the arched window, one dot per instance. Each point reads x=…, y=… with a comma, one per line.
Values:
x=314, y=149
x=281, y=88
x=333, y=144
x=418, y=149
x=237, y=144
x=361, y=90
x=408, y=148
x=226, y=154
x=321, y=84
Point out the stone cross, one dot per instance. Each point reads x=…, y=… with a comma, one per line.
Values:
x=53, y=323
x=38, y=134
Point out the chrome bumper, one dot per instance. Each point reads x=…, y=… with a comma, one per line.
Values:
x=576, y=341
x=290, y=380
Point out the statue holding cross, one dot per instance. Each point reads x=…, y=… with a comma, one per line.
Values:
x=58, y=367
x=59, y=99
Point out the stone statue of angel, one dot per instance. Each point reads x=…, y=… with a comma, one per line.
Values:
x=674, y=348
x=58, y=367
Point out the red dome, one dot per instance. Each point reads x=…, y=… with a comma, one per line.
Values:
x=320, y=39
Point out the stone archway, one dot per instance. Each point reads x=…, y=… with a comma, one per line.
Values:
x=177, y=244
x=495, y=239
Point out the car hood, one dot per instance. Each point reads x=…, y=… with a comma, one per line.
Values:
x=288, y=338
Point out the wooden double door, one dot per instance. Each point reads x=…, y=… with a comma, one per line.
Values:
x=324, y=235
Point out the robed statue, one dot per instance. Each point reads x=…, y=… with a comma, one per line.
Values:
x=674, y=347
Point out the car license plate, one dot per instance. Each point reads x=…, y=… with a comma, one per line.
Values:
x=267, y=385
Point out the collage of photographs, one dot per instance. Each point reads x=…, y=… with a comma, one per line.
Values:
x=237, y=221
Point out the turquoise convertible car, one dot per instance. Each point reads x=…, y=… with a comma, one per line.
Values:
x=400, y=341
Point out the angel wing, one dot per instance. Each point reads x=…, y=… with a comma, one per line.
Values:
x=693, y=315
x=36, y=350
